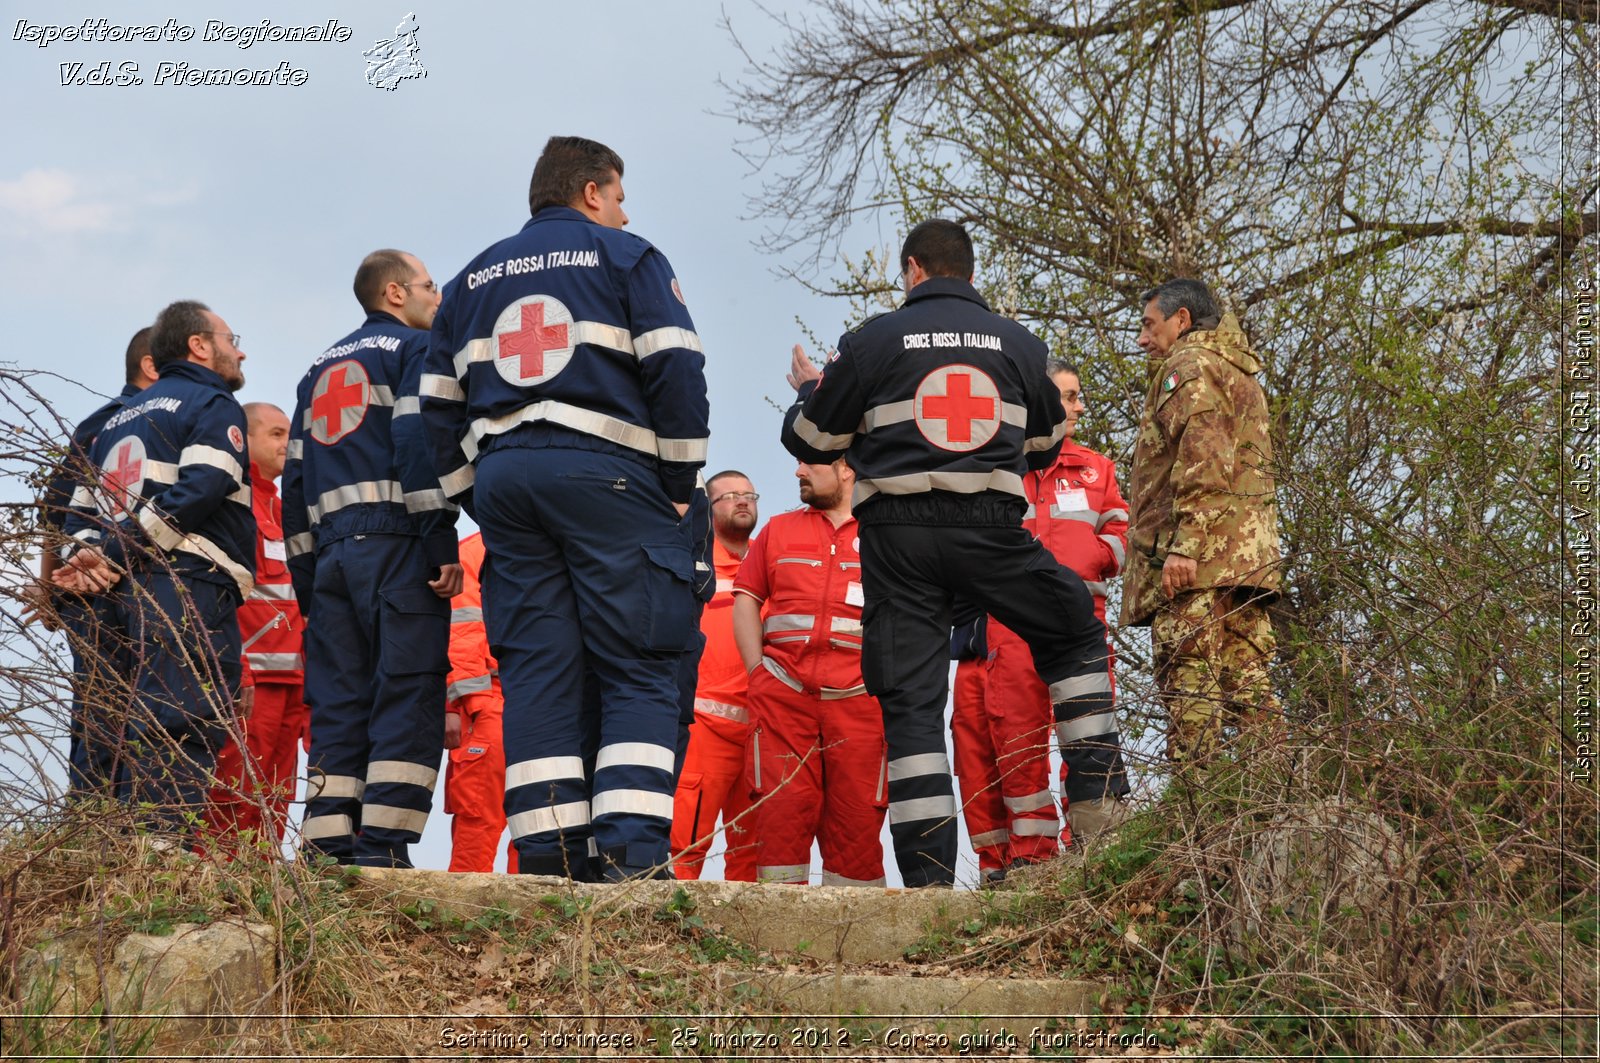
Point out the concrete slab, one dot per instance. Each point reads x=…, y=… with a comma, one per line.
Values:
x=830, y=923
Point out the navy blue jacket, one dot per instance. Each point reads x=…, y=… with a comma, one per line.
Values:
x=941, y=395
x=173, y=476
x=571, y=323
x=358, y=463
x=72, y=468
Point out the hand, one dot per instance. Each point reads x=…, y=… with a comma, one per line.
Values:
x=1177, y=575
x=801, y=369
x=38, y=605
x=245, y=704
x=88, y=572
x=452, y=730
x=448, y=585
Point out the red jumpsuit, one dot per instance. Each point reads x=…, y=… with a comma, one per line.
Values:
x=817, y=753
x=1002, y=719
x=271, y=636
x=715, y=779
x=475, y=779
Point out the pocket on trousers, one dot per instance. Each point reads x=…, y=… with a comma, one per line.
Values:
x=877, y=647
x=416, y=631
x=667, y=621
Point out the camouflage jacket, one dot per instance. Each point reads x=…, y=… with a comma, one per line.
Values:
x=1202, y=473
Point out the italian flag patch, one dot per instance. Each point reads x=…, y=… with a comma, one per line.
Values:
x=1170, y=383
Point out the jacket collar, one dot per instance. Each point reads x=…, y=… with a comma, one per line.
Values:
x=196, y=372
x=382, y=317
x=559, y=214
x=935, y=286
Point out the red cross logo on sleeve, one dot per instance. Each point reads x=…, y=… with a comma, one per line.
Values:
x=338, y=401
x=122, y=479
x=533, y=340
x=958, y=408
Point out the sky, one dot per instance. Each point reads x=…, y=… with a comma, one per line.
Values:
x=260, y=200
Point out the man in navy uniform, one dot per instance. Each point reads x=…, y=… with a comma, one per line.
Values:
x=565, y=400
x=372, y=552
x=168, y=525
x=941, y=406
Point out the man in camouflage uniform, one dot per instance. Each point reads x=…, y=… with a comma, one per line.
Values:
x=1203, y=547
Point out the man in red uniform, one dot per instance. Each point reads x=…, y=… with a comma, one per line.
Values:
x=1002, y=719
x=817, y=753
x=714, y=780
x=271, y=630
x=475, y=781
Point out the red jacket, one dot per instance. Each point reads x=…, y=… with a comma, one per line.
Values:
x=271, y=629
x=720, y=689
x=807, y=574
x=474, y=682
x=1076, y=509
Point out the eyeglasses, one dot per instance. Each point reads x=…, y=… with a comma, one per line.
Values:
x=737, y=496
x=233, y=337
x=427, y=286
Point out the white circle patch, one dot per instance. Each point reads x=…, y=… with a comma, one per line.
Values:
x=533, y=340
x=122, y=477
x=957, y=407
x=339, y=401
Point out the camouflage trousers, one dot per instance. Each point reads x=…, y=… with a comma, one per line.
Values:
x=1211, y=660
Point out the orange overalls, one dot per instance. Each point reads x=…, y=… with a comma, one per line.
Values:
x=714, y=780
x=817, y=752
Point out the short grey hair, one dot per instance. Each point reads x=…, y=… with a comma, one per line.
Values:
x=1188, y=294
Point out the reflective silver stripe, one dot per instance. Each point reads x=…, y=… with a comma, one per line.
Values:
x=632, y=803
x=837, y=694
x=594, y=333
x=327, y=827
x=544, y=769
x=1035, y=828
x=200, y=454
x=921, y=808
x=682, y=449
x=830, y=879
x=1030, y=802
x=784, y=873
x=367, y=491
x=477, y=684
x=1045, y=442
x=392, y=818
x=845, y=625
x=918, y=764
x=1030, y=512
x=241, y=496
x=276, y=662
x=724, y=586
x=256, y=636
x=817, y=438
x=82, y=498
x=889, y=413
x=1101, y=723
x=573, y=417
x=788, y=622
x=380, y=395
x=961, y=483
x=407, y=405
x=635, y=755
x=303, y=543
x=402, y=771
x=1096, y=587
x=663, y=338
x=1078, y=685
x=439, y=386
x=841, y=644
x=824, y=694
x=467, y=614
x=1110, y=515
x=167, y=537
x=459, y=481
x=1118, y=550
x=336, y=786
x=1083, y=516
x=736, y=713
x=273, y=592
x=426, y=501
x=297, y=449
x=554, y=817
x=990, y=837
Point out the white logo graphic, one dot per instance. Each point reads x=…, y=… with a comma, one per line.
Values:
x=394, y=60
